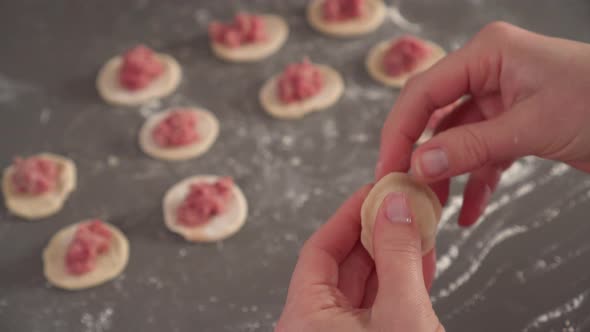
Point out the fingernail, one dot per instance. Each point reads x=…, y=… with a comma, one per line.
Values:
x=397, y=209
x=434, y=163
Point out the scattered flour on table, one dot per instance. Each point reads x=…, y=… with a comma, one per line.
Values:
x=44, y=115
x=11, y=89
x=355, y=92
x=202, y=17
x=98, y=323
x=398, y=19
x=113, y=161
x=150, y=108
x=556, y=313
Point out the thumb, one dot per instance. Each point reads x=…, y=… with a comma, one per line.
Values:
x=398, y=261
x=468, y=147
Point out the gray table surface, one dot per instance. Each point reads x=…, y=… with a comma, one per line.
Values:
x=524, y=268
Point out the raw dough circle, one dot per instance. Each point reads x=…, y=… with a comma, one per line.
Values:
x=328, y=96
x=108, y=265
x=36, y=207
x=111, y=90
x=277, y=32
x=369, y=22
x=219, y=227
x=424, y=203
x=374, y=63
x=207, y=127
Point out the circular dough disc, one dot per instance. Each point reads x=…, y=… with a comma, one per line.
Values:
x=219, y=227
x=328, y=96
x=423, y=201
x=108, y=265
x=111, y=90
x=277, y=32
x=369, y=22
x=374, y=63
x=207, y=127
x=36, y=207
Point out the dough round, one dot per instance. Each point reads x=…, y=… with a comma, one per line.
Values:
x=219, y=227
x=207, y=127
x=277, y=32
x=375, y=68
x=36, y=207
x=423, y=201
x=108, y=265
x=369, y=22
x=328, y=96
x=112, y=92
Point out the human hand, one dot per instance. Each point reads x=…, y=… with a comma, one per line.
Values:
x=528, y=96
x=337, y=287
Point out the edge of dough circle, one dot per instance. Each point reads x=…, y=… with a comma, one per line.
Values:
x=109, y=88
x=424, y=203
x=207, y=127
x=277, y=31
x=374, y=63
x=108, y=265
x=217, y=228
x=330, y=93
x=371, y=21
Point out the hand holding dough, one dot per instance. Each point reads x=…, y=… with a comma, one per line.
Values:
x=426, y=208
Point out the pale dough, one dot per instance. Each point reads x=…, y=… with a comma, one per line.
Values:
x=369, y=22
x=36, y=207
x=108, y=265
x=207, y=128
x=113, y=92
x=277, y=32
x=331, y=91
x=374, y=63
x=219, y=227
x=423, y=201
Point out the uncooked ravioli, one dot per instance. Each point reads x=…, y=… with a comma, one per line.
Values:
x=423, y=201
x=218, y=227
x=332, y=90
x=108, y=265
x=207, y=127
x=109, y=88
x=36, y=207
x=374, y=63
x=369, y=22
x=277, y=32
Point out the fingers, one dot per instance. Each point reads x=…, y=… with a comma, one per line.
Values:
x=474, y=69
x=477, y=192
x=469, y=147
x=326, y=249
x=402, y=292
x=354, y=273
x=398, y=252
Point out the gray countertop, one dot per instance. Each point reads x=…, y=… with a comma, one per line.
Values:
x=524, y=268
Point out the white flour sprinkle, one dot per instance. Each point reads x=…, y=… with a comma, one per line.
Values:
x=101, y=323
x=202, y=16
x=359, y=138
x=113, y=161
x=150, y=108
x=44, y=116
x=569, y=306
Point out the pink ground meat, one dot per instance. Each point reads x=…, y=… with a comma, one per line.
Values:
x=404, y=55
x=244, y=29
x=92, y=239
x=139, y=68
x=35, y=175
x=176, y=129
x=342, y=10
x=204, y=201
x=299, y=81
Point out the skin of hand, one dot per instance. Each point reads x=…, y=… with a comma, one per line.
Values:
x=528, y=94
x=336, y=286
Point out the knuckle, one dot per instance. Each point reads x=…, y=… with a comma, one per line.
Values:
x=497, y=29
x=476, y=149
x=398, y=247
